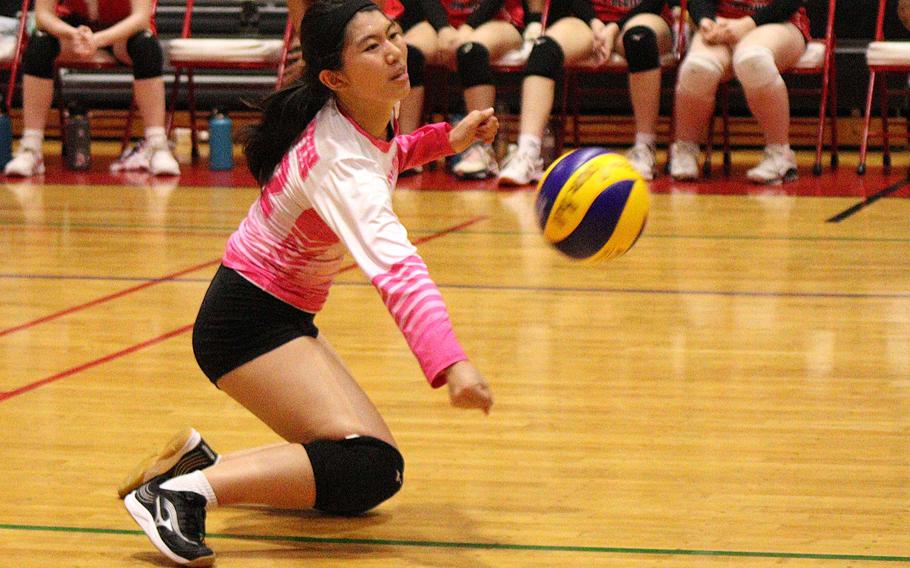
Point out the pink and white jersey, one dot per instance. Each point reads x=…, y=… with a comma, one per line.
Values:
x=333, y=192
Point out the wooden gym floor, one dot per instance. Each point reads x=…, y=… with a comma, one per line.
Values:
x=733, y=392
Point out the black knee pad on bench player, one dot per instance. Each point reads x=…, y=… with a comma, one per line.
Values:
x=40, y=54
x=474, y=65
x=355, y=474
x=145, y=51
x=642, y=53
x=546, y=59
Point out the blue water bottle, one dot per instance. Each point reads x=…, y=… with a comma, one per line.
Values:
x=221, y=145
x=6, y=136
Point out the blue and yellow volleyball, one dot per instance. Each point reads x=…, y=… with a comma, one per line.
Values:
x=592, y=204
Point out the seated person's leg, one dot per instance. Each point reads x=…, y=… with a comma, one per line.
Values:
x=143, y=52
x=704, y=67
x=757, y=60
x=487, y=43
x=37, y=95
x=644, y=39
x=567, y=40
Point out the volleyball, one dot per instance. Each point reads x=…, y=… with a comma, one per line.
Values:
x=592, y=204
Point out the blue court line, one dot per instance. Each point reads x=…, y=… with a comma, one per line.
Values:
x=531, y=289
x=481, y=545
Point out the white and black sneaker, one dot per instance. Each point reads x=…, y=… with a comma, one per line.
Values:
x=184, y=453
x=174, y=521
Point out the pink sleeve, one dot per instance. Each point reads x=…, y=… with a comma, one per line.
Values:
x=416, y=304
x=425, y=144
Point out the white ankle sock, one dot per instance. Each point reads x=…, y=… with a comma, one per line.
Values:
x=32, y=138
x=645, y=139
x=156, y=137
x=781, y=148
x=195, y=482
x=530, y=144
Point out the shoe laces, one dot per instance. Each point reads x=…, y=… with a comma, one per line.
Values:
x=641, y=153
x=190, y=514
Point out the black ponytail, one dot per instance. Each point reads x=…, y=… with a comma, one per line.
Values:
x=286, y=113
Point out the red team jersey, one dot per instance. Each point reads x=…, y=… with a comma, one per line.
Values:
x=458, y=11
x=743, y=8
x=103, y=13
x=393, y=9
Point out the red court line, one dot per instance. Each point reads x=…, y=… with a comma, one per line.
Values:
x=180, y=330
x=78, y=369
x=107, y=298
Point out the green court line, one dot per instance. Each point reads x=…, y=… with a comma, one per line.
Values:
x=483, y=545
x=227, y=229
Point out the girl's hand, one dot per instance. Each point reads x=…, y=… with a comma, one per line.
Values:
x=732, y=31
x=604, y=39
x=709, y=31
x=468, y=388
x=478, y=125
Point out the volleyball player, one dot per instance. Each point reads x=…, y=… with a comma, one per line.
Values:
x=753, y=40
x=638, y=30
x=327, y=156
x=78, y=30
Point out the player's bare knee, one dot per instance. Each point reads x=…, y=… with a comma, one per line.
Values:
x=355, y=474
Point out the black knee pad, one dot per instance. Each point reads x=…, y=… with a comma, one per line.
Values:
x=145, y=51
x=355, y=474
x=546, y=59
x=416, y=63
x=474, y=65
x=641, y=49
x=40, y=53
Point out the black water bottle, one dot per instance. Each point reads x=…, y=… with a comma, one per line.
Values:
x=77, y=141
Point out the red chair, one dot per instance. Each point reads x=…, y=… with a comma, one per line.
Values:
x=573, y=91
x=817, y=60
x=189, y=54
x=11, y=61
x=883, y=57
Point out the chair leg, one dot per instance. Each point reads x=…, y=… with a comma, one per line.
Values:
x=864, y=145
x=709, y=149
x=128, y=129
x=725, y=101
x=832, y=108
x=175, y=89
x=820, y=129
x=883, y=96
x=191, y=99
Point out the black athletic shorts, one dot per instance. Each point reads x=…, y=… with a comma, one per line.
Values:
x=238, y=322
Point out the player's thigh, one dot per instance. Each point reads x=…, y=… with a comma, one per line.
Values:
x=656, y=23
x=499, y=37
x=423, y=37
x=574, y=37
x=784, y=40
x=302, y=391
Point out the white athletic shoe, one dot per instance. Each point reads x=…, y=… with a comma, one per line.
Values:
x=684, y=160
x=520, y=168
x=778, y=165
x=643, y=158
x=477, y=162
x=162, y=162
x=28, y=162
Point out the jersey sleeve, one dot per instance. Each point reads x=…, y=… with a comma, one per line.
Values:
x=424, y=145
x=355, y=201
